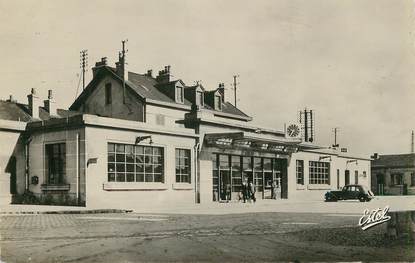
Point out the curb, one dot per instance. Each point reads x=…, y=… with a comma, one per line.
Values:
x=96, y=211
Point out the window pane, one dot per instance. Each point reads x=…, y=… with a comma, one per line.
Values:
x=120, y=148
x=120, y=177
x=111, y=167
x=139, y=150
x=140, y=177
x=139, y=168
x=111, y=157
x=111, y=177
x=111, y=147
x=130, y=177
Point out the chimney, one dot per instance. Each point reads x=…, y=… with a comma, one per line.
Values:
x=149, y=73
x=164, y=75
x=11, y=99
x=99, y=65
x=221, y=90
x=34, y=104
x=50, y=104
x=375, y=156
x=121, y=66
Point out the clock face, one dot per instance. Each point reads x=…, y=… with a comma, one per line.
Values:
x=293, y=130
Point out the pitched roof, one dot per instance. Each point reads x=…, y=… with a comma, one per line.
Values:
x=146, y=87
x=394, y=160
x=14, y=111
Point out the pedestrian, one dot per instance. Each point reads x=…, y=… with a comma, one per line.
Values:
x=244, y=190
x=274, y=189
x=251, y=189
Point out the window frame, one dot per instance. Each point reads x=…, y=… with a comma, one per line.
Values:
x=179, y=99
x=299, y=173
x=219, y=105
x=129, y=165
x=199, y=100
x=319, y=173
x=61, y=179
x=179, y=166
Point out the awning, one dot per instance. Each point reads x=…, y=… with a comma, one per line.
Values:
x=252, y=141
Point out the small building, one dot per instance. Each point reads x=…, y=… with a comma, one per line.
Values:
x=132, y=140
x=393, y=174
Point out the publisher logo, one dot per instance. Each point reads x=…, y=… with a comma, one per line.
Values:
x=374, y=217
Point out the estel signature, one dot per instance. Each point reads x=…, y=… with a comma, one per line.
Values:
x=374, y=217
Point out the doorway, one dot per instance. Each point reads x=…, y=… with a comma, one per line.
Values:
x=11, y=169
x=224, y=185
x=346, y=177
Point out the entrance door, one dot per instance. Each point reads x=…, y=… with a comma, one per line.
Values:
x=225, y=186
x=346, y=177
x=268, y=179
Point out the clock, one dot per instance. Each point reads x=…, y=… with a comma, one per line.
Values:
x=293, y=130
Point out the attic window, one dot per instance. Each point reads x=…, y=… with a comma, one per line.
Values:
x=218, y=102
x=108, y=96
x=179, y=94
x=199, y=98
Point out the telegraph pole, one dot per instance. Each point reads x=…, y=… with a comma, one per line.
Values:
x=335, y=130
x=412, y=141
x=234, y=86
x=84, y=65
x=122, y=59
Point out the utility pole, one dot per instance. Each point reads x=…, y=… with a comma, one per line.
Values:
x=412, y=141
x=84, y=65
x=124, y=73
x=335, y=130
x=234, y=86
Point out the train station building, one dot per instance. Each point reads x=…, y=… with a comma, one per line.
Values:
x=133, y=140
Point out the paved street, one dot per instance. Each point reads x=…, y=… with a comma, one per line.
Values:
x=136, y=237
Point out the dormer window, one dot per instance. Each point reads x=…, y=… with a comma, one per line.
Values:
x=218, y=102
x=179, y=95
x=199, y=98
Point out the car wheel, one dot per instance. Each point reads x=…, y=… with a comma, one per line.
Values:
x=362, y=199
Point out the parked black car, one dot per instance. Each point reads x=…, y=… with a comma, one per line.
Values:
x=353, y=191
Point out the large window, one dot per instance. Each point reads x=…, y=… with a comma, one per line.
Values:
x=56, y=163
x=135, y=163
x=182, y=166
x=319, y=172
x=300, y=171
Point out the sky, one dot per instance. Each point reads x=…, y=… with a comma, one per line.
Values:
x=351, y=62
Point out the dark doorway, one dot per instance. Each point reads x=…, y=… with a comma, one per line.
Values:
x=225, y=185
x=346, y=177
x=11, y=169
x=380, y=184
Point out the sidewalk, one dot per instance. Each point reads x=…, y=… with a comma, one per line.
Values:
x=50, y=209
x=395, y=203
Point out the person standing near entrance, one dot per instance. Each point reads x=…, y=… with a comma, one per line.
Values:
x=273, y=190
x=251, y=189
x=244, y=190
